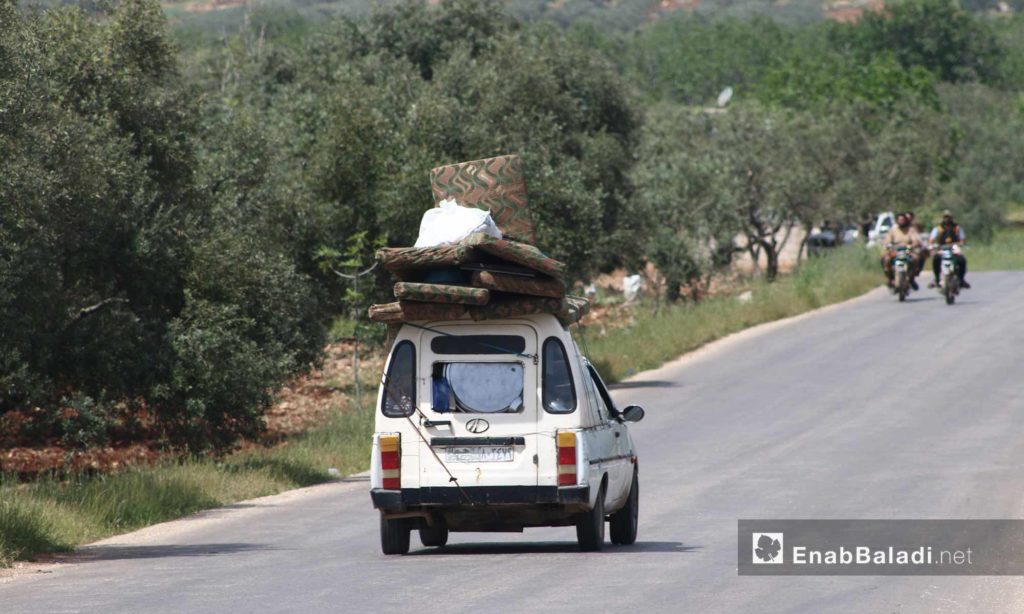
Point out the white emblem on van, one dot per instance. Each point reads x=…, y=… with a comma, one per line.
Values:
x=477, y=425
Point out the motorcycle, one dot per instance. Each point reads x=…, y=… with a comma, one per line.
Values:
x=901, y=264
x=949, y=282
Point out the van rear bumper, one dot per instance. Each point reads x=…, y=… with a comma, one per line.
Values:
x=400, y=500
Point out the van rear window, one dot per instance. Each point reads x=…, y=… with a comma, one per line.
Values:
x=477, y=387
x=478, y=344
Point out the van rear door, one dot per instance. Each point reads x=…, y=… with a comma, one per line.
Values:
x=478, y=389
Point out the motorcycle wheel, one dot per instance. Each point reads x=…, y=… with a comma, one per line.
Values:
x=901, y=287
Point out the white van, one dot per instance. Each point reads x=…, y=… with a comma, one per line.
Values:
x=499, y=425
x=881, y=227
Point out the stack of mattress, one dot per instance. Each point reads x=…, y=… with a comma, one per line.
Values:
x=480, y=277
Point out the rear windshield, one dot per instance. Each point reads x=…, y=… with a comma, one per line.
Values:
x=477, y=387
x=478, y=344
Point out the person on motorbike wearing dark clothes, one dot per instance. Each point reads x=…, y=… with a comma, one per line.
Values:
x=948, y=233
x=922, y=256
x=902, y=235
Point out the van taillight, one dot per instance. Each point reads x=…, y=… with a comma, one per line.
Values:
x=566, y=458
x=391, y=461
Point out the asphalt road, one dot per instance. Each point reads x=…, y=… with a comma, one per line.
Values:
x=873, y=409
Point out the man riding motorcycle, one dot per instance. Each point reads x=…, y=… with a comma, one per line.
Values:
x=948, y=233
x=924, y=253
x=901, y=235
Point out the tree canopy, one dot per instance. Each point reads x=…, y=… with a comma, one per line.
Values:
x=171, y=200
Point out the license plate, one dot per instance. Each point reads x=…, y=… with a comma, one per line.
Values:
x=478, y=454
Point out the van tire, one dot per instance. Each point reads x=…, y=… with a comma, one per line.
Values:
x=590, y=526
x=624, y=522
x=434, y=537
x=394, y=536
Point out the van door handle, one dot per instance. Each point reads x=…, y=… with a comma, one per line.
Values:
x=618, y=434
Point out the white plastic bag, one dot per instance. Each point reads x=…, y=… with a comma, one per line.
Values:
x=631, y=287
x=450, y=223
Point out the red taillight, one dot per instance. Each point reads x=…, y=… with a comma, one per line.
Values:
x=390, y=462
x=566, y=458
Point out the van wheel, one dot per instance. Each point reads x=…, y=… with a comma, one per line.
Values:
x=394, y=536
x=434, y=537
x=624, y=522
x=590, y=526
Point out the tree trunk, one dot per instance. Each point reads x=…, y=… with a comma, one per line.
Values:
x=771, y=269
x=755, y=257
x=803, y=245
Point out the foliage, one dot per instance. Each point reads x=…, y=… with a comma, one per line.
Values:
x=111, y=253
x=989, y=157
x=657, y=337
x=822, y=79
x=691, y=60
x=167, y=211
x=937, y=35
x=759, y=172
x=360, y=116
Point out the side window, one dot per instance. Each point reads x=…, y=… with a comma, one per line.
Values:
x=558, y=392
x=399, y=397
x=589, y=403
x=604, y=402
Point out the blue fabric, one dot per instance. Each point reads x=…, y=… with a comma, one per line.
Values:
x=440, y=394
x=445, y=275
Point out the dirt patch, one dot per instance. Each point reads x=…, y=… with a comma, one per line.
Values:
x=30, y=461
x=212, y=5
x=305, y=402
x=302, y=404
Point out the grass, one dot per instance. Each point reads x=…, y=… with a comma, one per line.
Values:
x=1004, y=253
x=51, y=515
x=677, y=329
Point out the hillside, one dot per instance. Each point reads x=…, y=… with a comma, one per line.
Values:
x=621, y=15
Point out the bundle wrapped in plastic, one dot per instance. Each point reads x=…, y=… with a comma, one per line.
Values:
x=449, y=223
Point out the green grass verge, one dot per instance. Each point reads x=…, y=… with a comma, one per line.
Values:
x=680, y=328
x=51, y=515
x=1004, y=253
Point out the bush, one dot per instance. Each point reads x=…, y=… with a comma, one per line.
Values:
x=122, y=279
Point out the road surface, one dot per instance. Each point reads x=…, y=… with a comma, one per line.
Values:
x=872, y=409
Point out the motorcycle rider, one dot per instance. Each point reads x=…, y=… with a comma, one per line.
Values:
x=948, y=233
x=901, y=235
x=922, y=256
